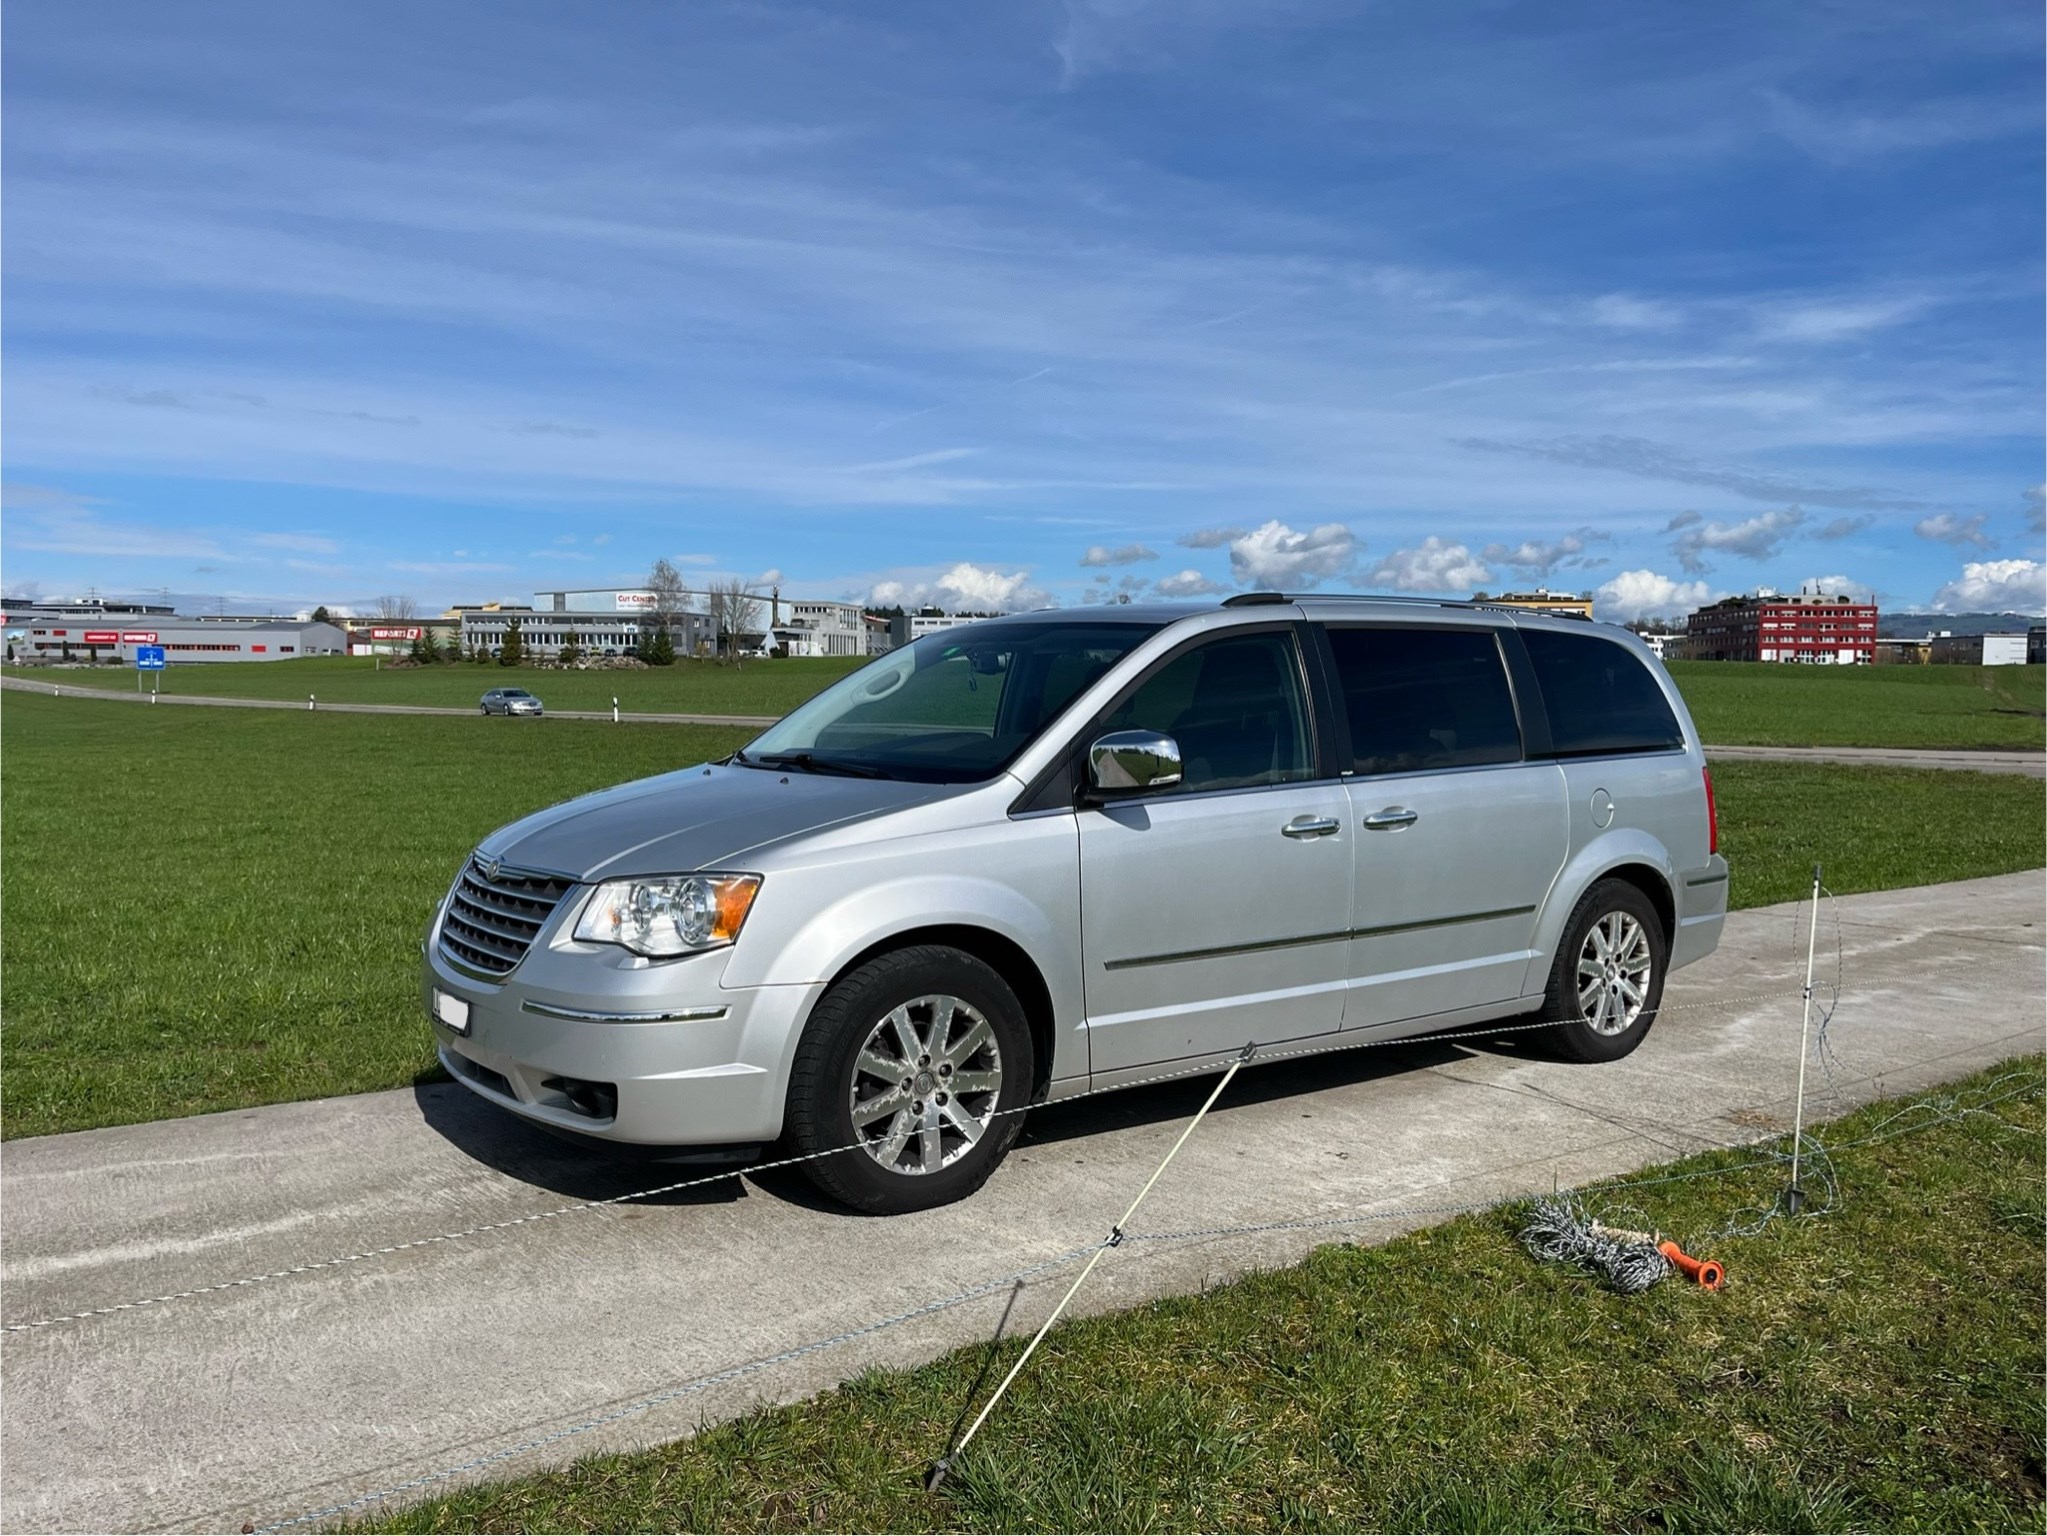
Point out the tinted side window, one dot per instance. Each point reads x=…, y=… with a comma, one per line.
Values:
x=1425, y=698
x=1600, y=698
x=1236, y=709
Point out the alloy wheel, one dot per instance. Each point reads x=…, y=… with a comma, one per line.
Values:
x=925, y=1084
x=1614, y=967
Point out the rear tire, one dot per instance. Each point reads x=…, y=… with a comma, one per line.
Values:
x=1607, y=981
x=916, y=1064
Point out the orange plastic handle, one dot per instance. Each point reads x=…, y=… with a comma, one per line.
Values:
x=1707, y=1273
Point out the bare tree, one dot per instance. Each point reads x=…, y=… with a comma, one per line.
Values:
x=396, y=609
x=733, y=610
x=671, y=599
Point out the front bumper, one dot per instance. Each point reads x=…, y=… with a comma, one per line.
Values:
x=676, y=1059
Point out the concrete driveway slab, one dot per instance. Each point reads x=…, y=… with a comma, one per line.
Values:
x=261, y=1401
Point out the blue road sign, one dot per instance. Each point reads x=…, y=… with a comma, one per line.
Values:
x=149, y=658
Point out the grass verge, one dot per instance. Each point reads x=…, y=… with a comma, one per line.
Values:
x=208, y=909
x=1759, y=704
x=1878, y=1367
x=766, y=687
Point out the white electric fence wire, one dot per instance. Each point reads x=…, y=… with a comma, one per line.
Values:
x=699, y=1181
x=1115, y=1237
x=1922, y=1115
x=1804, y=1037
x=686, y=1389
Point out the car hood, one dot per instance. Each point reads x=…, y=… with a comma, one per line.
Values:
x=698, y=818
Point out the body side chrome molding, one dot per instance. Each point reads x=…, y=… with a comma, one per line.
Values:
x=1313, y=938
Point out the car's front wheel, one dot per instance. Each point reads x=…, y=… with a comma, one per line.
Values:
x=913, y=1067
x=1607, y=981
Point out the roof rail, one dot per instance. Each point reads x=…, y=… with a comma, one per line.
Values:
x=1255, y=599
x=1381, y=597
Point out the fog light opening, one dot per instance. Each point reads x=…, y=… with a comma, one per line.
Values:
x=599, y=1101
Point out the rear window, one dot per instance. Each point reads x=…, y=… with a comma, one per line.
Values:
x=1599, y=695
x=1425, y=698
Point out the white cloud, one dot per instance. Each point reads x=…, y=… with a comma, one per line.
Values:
x=1431, y=566
x=771, y=577
x=1845, y=586
x=1211, y=538
x=1128, y=554
x=2036, y=508
x=1532, y=557
x=1636, y=595
x=965, y=587
x=1754, y=538
x=1960, y=532
x=1838, y=321
x=1189, y=583
x=1845, y=527
x=1278, y=557
x=1995, y=586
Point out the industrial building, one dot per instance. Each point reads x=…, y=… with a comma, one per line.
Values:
x=905, y=627
x=88, y=629
x=1812, y=627
x=621, y=623
x=1542, y=600
x=1999, y=650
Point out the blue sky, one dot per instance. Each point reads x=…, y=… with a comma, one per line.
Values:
x=1004, y=304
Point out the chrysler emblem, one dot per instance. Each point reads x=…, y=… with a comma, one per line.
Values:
x=489, y=864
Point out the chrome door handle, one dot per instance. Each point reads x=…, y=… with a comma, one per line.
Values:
x=1310, y=826
x=1391, y=819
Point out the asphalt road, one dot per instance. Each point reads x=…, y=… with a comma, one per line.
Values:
x=2032, y=764
x=269, y=1400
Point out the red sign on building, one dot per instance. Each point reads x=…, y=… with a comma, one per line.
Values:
x=412, y=633
x=138, y=637
x=102, y=637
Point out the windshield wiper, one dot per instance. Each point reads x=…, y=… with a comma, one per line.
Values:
x=810, y=762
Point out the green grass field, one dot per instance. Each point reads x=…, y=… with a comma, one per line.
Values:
x=1755, y=704
x=1877, y=1368
x=767, y=687
x=1734, y=704
x=207, y=909
x=213, y=908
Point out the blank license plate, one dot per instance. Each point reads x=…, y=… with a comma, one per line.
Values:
x=451, y=1011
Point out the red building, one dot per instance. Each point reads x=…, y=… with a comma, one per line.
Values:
x=1812, y=627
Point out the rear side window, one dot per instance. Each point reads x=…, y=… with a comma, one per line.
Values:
x=1425, y=698
x=1599, y=696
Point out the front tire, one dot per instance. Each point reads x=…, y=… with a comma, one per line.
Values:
x=915, y=1064
x=1607, y=982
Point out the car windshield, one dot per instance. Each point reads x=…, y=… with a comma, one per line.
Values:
x=955, y=707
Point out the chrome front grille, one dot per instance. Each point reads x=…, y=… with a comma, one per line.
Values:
x=492, y=920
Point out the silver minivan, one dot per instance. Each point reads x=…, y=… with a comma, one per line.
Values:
x=1033, y=856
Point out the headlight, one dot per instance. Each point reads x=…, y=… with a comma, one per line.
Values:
x=669, y=914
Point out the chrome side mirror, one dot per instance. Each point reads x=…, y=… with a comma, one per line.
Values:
x=1130, y=762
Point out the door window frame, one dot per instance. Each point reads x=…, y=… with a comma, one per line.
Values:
x=1060, y=786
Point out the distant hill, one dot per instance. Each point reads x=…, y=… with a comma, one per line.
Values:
x=1911, y=626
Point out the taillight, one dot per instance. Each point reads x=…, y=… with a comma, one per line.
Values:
x=1712, y=815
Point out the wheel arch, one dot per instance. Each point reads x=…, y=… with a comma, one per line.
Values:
x=1652, y=883
x=1001, y=954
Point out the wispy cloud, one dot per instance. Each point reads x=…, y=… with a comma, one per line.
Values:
x=1660, y=461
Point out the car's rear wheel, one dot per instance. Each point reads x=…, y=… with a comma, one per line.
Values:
x=914, y=1065
x=1607, y=981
